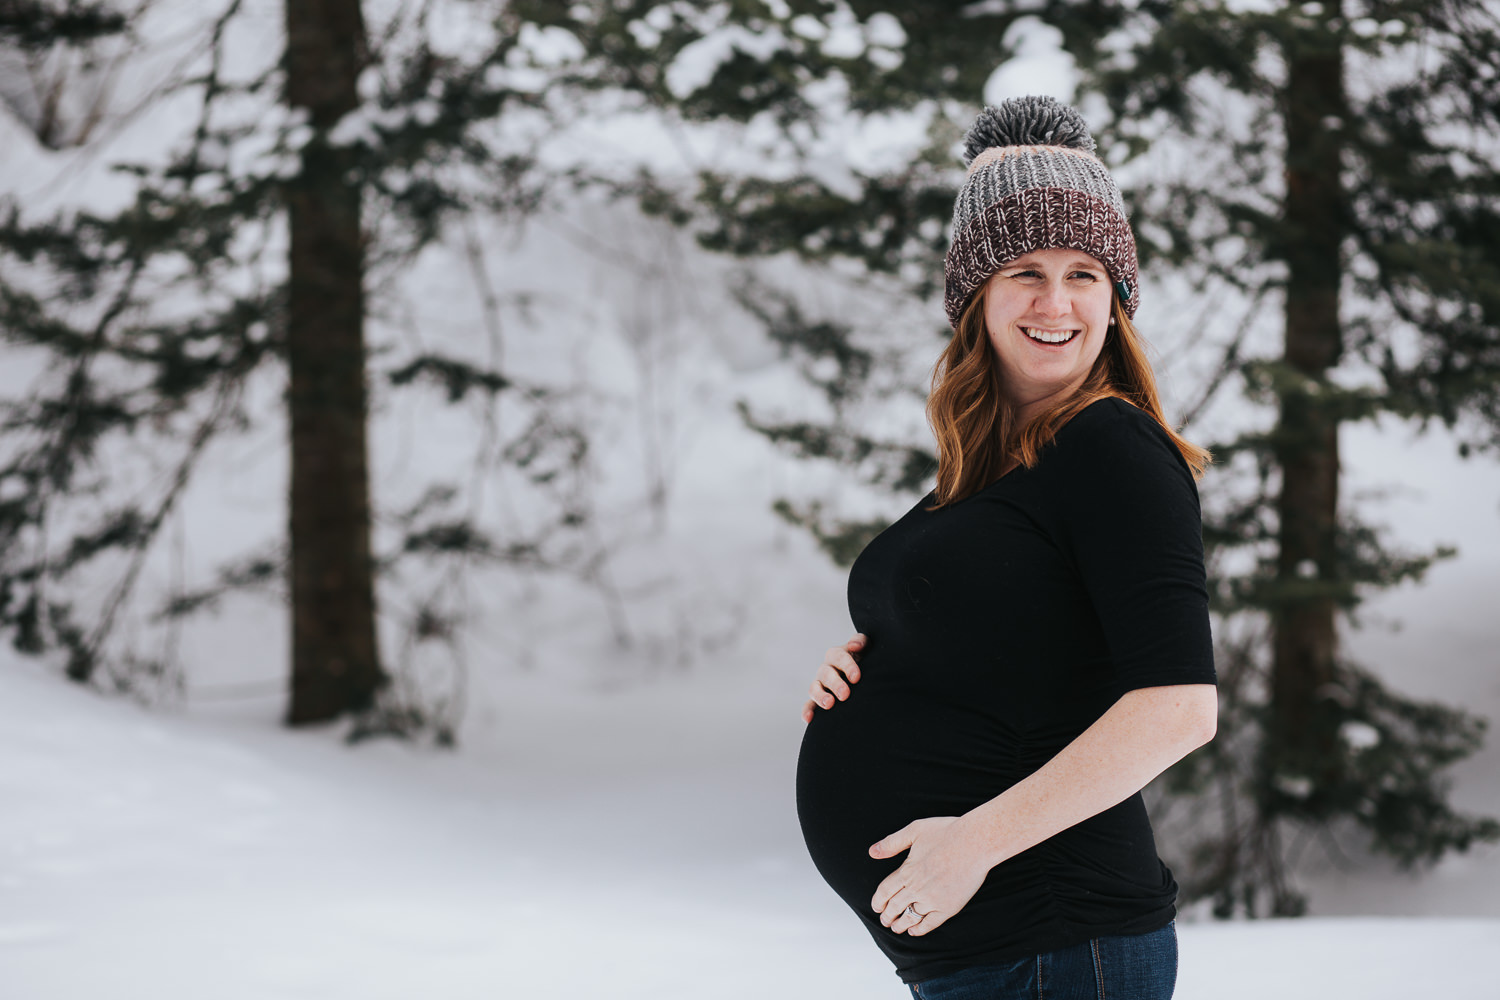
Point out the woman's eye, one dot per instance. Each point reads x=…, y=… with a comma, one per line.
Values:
x=1086, y=274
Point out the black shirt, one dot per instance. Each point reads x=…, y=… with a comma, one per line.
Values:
x=999, y=629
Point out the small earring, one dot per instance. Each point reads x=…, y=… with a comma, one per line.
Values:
x=1111, y=321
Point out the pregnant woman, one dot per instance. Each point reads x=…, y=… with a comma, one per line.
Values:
x=1034, y=639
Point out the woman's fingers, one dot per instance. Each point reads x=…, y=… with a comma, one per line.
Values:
x=832, y=681
x=906, y=919
x=911, y=918
x=930, y=921
x=840, y=659
x=895, y=910
x=838, y=670
x=890, y=889
x=852, y=649
x=903, y=913
x=918, y=923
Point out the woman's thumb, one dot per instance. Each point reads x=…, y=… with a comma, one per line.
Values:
x=893, y=844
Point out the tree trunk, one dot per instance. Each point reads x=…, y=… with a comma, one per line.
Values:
x=1307, y=445
x=335, y=660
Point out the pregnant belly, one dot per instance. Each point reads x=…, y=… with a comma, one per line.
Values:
x=885, y=757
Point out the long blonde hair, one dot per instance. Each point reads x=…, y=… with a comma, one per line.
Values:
x=977, y=436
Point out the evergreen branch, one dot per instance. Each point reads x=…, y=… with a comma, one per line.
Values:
x=897, y=468
x=456, y=377
x=254, y=572
x=38, y=25
x=841, y=540
x=1229, y=361
x=84, y=657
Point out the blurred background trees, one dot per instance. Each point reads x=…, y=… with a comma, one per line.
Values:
x=1313, y=187
x=250, y=240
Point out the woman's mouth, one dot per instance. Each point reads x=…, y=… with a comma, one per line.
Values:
x=1053, y=337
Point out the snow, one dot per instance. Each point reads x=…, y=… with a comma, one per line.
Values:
x=884, y=30
x=700, y=60
x=549, y=46
x=633, y=844
x=1039, y=64
x=618, y=819
x=1359, y=735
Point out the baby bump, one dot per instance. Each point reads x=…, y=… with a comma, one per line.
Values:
x=874, y=763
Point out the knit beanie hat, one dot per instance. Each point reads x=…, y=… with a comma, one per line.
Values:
x=1034, y=183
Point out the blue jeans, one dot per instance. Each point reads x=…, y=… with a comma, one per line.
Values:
x=1126, y=967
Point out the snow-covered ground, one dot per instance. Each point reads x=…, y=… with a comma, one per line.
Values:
x=639, y=843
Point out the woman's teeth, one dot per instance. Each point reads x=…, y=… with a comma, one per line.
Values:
x=1049, y=336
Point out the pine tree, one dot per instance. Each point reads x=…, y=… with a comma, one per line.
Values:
x=1359, y=191
x=147, y=323
x=335, y=663
x=45, y=46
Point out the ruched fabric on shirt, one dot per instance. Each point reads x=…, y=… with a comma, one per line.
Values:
x=1000, y=628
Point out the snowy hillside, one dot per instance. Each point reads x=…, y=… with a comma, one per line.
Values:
x=638, y=844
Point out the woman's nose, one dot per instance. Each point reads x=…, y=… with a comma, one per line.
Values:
x=1052, y=300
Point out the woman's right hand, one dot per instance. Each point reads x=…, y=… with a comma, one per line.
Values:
x=840, y=669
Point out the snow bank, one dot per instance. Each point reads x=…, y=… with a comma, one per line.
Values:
x=636, y=844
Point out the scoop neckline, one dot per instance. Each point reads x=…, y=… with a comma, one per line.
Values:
x=1019, y=466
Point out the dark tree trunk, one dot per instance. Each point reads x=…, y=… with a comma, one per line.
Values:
x=1307, y=444
x=335, y=661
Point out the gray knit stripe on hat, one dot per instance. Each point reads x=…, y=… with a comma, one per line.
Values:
x=1034, y=184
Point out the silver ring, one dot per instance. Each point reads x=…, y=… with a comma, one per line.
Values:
x=911, y=911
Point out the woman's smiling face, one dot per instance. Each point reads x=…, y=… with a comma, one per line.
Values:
x=1047, y=313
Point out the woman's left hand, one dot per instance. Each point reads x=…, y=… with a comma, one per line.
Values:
x=940, y=875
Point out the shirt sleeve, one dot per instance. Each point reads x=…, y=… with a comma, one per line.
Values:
x=1132, y=525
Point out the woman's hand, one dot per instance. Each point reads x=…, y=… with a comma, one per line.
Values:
x=839, y=670
x=942, y=873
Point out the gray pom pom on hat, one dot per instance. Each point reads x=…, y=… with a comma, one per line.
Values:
x=1027, y=121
